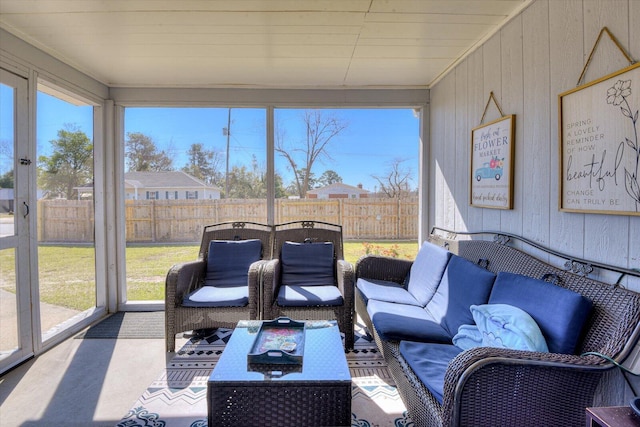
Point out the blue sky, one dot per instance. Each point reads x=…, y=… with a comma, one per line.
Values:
x=371, y=141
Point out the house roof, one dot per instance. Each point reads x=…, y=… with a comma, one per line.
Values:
x=338, y=188
x=170, y=179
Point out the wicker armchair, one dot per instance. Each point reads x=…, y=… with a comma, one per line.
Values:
x=342, y=277
x=183, y=279
x=496, y=386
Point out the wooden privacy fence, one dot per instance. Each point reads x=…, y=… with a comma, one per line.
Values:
x=148, y=221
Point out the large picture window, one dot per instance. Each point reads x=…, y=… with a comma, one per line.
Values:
x=354, y=167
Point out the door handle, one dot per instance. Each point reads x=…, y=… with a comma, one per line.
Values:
x=27, y=209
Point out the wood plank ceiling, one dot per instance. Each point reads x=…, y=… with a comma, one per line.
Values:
x=257, y=43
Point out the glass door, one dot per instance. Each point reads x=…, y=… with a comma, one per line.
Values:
x=16, y=336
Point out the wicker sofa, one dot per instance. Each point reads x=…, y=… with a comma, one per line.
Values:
x=487, y=385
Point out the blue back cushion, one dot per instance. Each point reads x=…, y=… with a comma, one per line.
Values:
x=307, y=264
x=463, y=284
x=560, y=313
x=426, y=272
x=228, y=261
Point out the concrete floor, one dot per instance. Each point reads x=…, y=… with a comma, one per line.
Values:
x=81, y=382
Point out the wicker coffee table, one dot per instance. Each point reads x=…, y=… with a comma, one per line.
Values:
x=316, y=393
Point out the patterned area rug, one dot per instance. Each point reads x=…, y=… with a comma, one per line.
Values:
x=178, y=396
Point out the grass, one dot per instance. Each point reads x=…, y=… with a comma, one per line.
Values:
x=67, y=273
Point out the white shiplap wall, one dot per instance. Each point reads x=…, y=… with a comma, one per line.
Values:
x=537, y=55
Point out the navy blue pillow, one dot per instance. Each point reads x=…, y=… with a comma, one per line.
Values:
x=307, y=264
x=463, y=284
x=560, y=313
x=228, y=261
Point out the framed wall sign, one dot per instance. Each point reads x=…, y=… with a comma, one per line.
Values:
x=599, y=147
x=492, y=148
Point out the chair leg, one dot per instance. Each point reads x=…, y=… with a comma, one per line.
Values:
x=170, y=335
x=349, y=338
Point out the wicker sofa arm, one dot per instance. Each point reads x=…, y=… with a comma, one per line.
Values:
x=255, y=281
x=345, y=280
x=510, y=382
x=383, y=268
x=270, y=279
x=182, y=278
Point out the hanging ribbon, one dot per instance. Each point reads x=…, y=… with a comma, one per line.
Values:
x=487, y=106
x=615, y=41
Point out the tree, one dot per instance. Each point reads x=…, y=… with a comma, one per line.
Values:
x=302, y=155
x=141, y=154
x=395, y=183
x=6, y=179
x=204, y=164
x=328, y=177
x=245, y=183
x=301, y=176
x=71, y=163
x=280, y=191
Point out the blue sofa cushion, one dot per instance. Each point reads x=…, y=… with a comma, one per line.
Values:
x=429, y=361
x=463, y=284
x=307, y=264
x=383, y=290
x=396, y=322
x=426, y=272
x=228, y=261
x=297, y=296
x=218, y=296
x=560, y=313
x=506, y=326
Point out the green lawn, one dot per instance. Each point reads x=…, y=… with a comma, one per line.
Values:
x=67, y=273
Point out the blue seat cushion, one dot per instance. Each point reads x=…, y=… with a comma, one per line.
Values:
x=397, y=322
x=228, y=261
x=426, y=272
x=463, y=284
x=215, y=296
x=383, y=290
x=559, y=312
x=429, y=361
x=306, y=296
x=307, y=264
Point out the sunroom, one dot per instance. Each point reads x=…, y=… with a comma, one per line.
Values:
x=408, y=86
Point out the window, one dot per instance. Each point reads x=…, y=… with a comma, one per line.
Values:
x=66, y=231
x=211, y=164
x=223, y=153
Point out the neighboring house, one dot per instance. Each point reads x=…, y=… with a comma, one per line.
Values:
x=338, y=190
x=172, y=185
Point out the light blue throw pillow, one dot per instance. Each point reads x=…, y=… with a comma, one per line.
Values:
x=468, y=336
x=507, y=326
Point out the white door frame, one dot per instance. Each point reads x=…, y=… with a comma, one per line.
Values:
x=20, y=241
